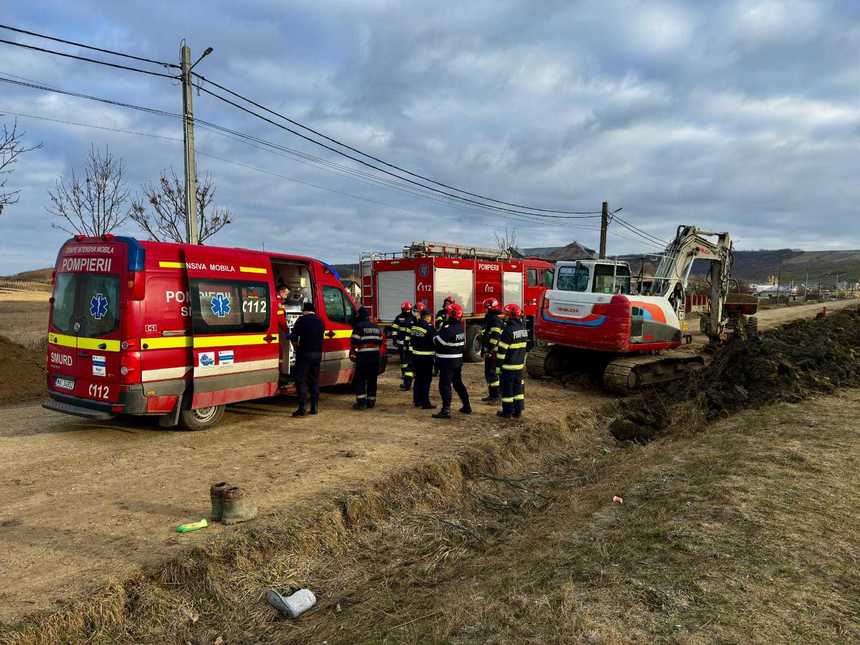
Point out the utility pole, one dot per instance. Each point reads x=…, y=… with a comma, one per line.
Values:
x=191, y=233
x=604, y=224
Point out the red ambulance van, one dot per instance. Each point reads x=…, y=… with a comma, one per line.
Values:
x=179, y=330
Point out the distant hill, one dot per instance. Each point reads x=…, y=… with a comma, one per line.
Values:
x=38, y=275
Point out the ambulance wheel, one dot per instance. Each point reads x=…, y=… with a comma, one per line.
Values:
x=201, y=418
x=472, y=352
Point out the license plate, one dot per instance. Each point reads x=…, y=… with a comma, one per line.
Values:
x=65, y=383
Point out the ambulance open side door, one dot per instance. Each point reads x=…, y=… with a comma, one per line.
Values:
x=235, y=331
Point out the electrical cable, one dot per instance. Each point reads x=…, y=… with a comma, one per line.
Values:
x=382, y=161
x=370, y=165
x=84, y=58
x=637, y=231
x=85, y=46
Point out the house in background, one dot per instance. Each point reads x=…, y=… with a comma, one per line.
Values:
x=353, y=288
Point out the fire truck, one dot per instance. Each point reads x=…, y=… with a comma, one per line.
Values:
x=427, y=272
x=179, y=331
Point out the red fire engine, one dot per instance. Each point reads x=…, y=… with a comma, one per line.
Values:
x=179, y=331
x=427, y=272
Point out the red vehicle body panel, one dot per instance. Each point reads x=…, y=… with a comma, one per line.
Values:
x=487, y=282
x=606, y=329
x=159, y=300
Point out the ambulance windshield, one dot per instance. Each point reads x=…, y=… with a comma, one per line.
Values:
x=85, y=304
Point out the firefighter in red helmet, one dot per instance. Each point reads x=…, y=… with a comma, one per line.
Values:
x=402, y=328
x=450, y=342
x=511, y=355
x=492, y=331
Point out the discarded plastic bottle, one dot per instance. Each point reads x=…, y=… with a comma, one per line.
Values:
x=192, y=526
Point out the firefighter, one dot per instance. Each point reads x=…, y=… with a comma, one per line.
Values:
x=364, y=350
x=283, y=332
x=402, y=328
x=423, y=356
x=442, y=314
x=490, y=335
x=450, y=341
x=511, y=355
x=307, y=338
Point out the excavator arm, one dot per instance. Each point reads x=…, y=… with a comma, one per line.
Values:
x=673, y=271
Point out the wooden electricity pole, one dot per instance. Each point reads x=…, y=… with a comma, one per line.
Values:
x=604, y=224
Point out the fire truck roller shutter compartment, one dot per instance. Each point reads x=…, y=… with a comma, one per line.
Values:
x=393, y=288
x=459, y=283
x=512, y=288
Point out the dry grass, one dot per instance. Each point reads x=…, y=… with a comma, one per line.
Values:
x=747, y=532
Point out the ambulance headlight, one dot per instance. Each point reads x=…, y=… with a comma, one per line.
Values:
x=124, y=345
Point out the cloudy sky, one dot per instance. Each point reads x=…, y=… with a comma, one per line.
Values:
x=739, y=116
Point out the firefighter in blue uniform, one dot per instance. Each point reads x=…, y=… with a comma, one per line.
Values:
x=423, y=355
x=450, y=341
x=402, y=328
x=492, y=331
x=442, y=314
x=364, y=349
x=511, y=355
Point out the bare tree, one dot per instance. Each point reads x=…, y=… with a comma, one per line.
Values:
x=94, y=204
x=11, y=147
x=166, y=221
x=507, y=240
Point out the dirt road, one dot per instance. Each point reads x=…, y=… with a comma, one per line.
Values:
x=86, y=501
x=770, y=318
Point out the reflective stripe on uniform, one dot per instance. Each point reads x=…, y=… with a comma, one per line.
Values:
x=418, y=352
x=507, y=399
x=522, y=345
x=503, y=345
x=519, y=397
x=513, y=367
x=449, y=355
x=494, y=384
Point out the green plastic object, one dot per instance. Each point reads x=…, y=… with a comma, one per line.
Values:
x=192, y=526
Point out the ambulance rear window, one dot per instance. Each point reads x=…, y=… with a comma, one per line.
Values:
x=85, y=304
x=221, y=306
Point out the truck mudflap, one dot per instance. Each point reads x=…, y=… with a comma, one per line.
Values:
x=76, y=410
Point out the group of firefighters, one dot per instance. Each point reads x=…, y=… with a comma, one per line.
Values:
x=427, y=347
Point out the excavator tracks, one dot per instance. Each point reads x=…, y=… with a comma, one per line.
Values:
x=629, y=374
x=547, y=361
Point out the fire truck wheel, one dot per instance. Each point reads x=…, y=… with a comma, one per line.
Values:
x=473, y=344
x=201, y=418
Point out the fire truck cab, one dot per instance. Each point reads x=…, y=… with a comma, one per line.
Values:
x=428, y=272
x=179, y=331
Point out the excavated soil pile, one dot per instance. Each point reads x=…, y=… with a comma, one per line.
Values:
x=22, y=372
x=788, y=364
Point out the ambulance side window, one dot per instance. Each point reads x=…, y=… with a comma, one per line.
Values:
x=337, y=306
x=221, y=306
x=533, y=277
x=547, y=278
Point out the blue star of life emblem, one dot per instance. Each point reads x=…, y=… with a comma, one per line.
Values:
x=98, y=306
x=220, y=305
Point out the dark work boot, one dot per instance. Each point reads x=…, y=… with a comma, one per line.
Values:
x=314, y=406
x=466, y=409
x=493, y=397
x=371, y=403
x=300, y=412
x=503, y=414
x=444, y=413
x=428, y=406
x=360, y=405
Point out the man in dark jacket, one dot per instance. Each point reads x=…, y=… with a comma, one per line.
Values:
x=490, y=335
x=307, y=338
x=423, y=353
x=450, y=341
x=402, y=328
x=364, y=350
x=513, y=348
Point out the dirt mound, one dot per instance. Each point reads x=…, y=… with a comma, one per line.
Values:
x=792, y=362
x=22, y=372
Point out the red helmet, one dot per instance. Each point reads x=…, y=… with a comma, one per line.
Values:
x=513, y=310
x=406, y=305
x=455, y=311
x=420, y=307
x=491, y=304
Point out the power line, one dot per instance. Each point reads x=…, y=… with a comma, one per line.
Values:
x=382, y=161
x=387, y=172
x=85, y=46
x=84, y=58
x=643, y=234
x=89, y=97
